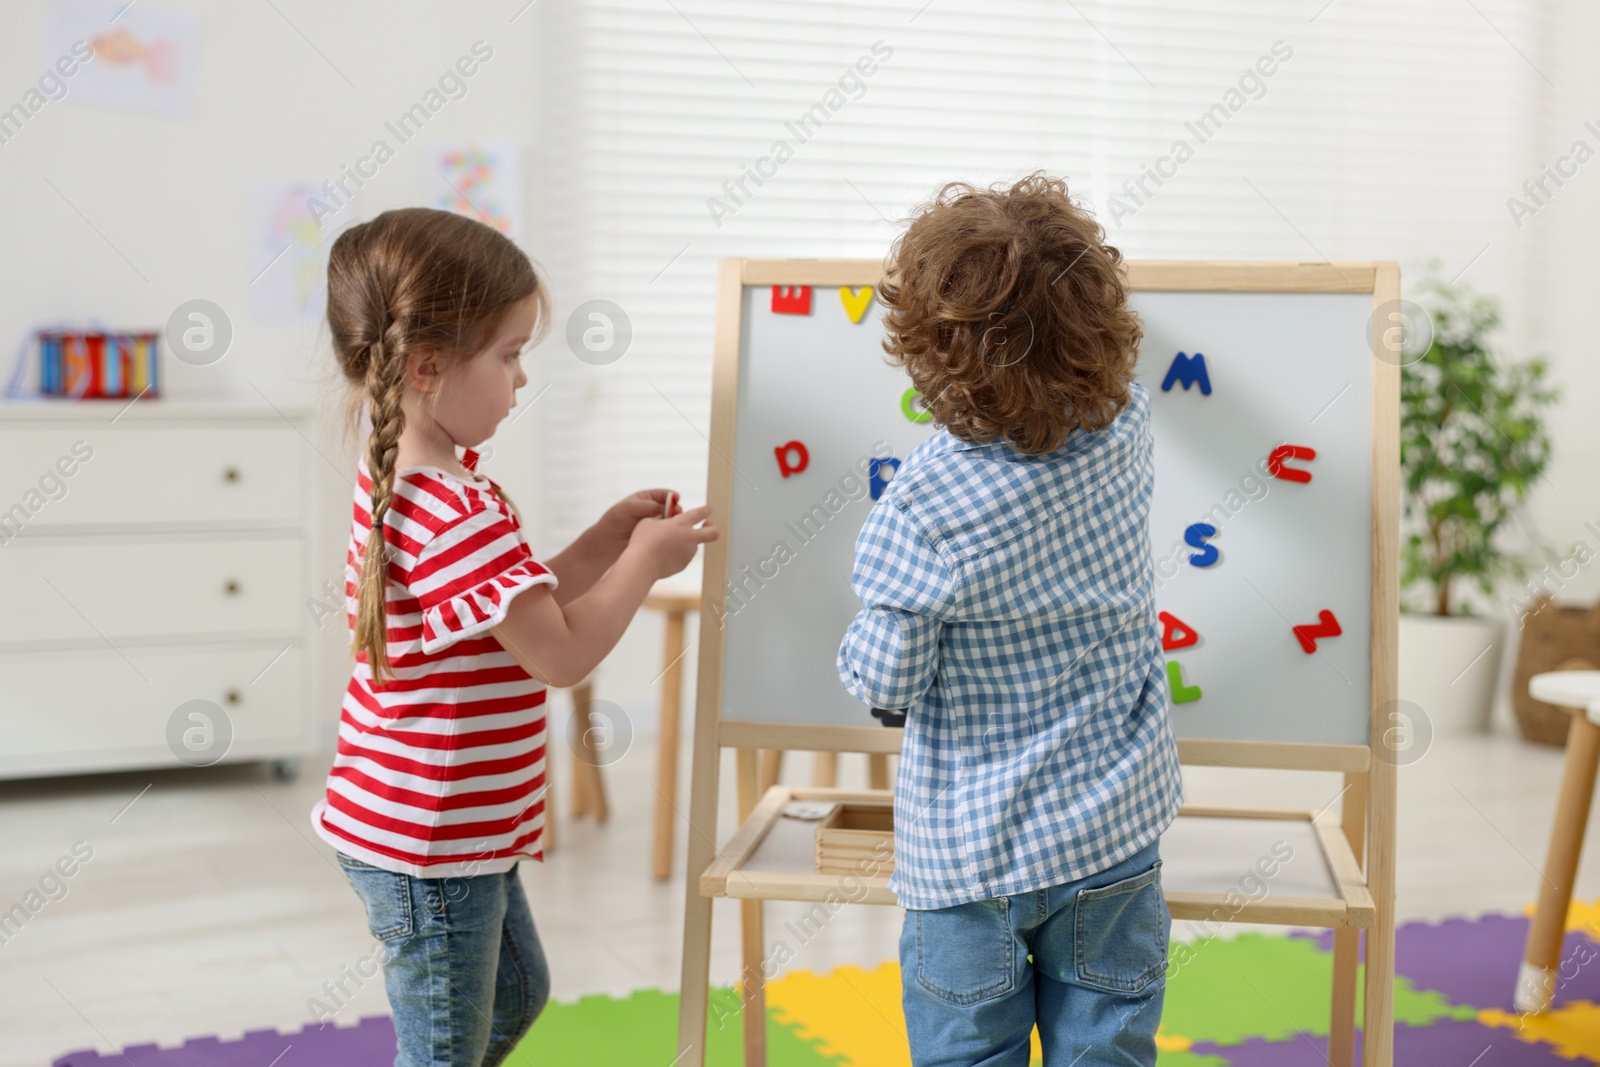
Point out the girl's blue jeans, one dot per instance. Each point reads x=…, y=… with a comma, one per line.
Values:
x=462, y=963
x=1085, y=960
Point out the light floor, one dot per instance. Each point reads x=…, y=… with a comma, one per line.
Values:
x=210, y=908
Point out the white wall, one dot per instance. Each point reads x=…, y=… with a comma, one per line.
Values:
x=1546, y=271
x=1555, y=295
x=149, y=211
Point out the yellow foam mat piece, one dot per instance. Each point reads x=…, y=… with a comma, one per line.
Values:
x=856, y=1014
x=1166, y=1042
x=1582, y=915
x=850, y=1012
x=1572, y=1030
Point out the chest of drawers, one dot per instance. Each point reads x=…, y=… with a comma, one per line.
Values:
x=154, y=577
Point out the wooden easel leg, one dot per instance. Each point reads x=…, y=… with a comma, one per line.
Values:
x=753, y=994
x=695, y=977
x=771, y=768
x=1342, y=1026
x=667, y=749
x=825, y=769
x=746, y=781
x=1347, y=941
x=878, y=770
x=1536, y=981
x=752, y=932
x=1377, y=1007
x=695, y=981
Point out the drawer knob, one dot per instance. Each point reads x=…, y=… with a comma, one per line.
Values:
x=232, y=588
x=233, y=696
x=231, y=474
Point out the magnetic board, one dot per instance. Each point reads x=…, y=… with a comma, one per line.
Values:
x=1262, y=416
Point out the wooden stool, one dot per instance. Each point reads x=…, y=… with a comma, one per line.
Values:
x=1578, y=690
x=675, y=600
x=588, y=786
x=548, y=841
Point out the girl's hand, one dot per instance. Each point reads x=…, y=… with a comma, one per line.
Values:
x=619, y=520
x=671, y=543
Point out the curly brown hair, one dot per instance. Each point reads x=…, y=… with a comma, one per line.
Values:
x=409, y=279
x=1010, y=312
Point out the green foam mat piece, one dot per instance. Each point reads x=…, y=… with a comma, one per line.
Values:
x=602, y=1031
x=1261, y=985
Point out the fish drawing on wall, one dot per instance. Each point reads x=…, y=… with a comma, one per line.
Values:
x=144, y=58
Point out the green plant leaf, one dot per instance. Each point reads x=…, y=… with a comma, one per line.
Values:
x=1472, y=445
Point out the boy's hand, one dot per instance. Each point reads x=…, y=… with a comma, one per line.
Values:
x=890, y=716
x=619, y=520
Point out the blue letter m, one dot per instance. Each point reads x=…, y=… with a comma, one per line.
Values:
x=1188, y=370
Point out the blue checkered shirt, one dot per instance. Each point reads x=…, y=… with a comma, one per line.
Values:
x=1008, y=606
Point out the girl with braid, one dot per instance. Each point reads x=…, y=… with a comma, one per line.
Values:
x=437, y=790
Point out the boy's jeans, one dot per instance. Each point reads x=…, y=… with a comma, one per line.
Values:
x=462, y=963
x=1085, y=960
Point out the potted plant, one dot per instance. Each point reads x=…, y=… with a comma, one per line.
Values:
x=1472, y=444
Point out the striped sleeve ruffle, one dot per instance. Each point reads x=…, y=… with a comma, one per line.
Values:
x=468, y=573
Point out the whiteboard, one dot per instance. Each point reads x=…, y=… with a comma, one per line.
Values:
x=1285, y=368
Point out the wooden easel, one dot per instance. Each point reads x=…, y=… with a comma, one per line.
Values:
x=1357, y=847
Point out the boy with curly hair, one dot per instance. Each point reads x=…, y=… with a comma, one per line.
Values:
x=1007, y=585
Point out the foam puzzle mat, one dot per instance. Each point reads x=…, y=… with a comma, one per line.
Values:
x=1250, y=1001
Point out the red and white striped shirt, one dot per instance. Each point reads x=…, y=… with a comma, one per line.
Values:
x=441, y=769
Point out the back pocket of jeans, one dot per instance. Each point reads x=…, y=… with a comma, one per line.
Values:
x=966, y=953
x=1121, y=934
x=386, y=896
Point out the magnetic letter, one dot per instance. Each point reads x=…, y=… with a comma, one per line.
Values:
x=910, y=411
x=1276, y=468
x=1187, y=370
x=1327, y=626
x=784, y=464
x=1195, y=537
x=1181, y=694
x=1175, y=633
x=856, y=303
x=879, y=480
x=791, y=299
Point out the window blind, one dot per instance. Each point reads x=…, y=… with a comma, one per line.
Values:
x=1384, y=130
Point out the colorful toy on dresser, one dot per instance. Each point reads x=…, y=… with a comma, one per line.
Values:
x=97, y=363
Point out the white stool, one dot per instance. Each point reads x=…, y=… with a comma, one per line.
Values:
x=1578, y=690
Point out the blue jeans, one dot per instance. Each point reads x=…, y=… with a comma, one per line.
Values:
x=1085, y=960
x=462, y=963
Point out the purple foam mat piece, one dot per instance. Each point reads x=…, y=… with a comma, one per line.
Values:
x=369, y=1043
x=1457, y=1042
x=1475, y=961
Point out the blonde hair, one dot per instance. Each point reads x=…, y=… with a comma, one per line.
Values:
x=409, y=279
